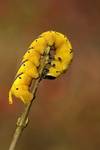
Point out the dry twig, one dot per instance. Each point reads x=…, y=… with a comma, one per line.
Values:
x=23, y=120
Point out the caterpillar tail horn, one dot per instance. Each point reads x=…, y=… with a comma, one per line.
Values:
x=10, y=97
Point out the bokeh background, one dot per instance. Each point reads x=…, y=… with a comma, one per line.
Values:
x=66, y=112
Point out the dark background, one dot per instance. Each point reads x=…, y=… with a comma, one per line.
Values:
x=66, y=112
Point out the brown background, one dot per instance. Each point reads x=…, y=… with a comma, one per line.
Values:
x=66, y=112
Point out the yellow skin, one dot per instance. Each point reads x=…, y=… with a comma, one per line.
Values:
x=39, y=45
x=20, y=88
x=49, y=37
x=33, y=56
x=60, y=39
x=31, y=60
x=63, y=56
x=32, y=70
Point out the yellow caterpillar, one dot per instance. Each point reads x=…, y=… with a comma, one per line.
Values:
x=60, y=60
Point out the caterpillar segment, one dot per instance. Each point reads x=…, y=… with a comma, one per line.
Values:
x=20, y=88
x=60, y=56
x=39, y=45
x=32, y=69
x=33, y=56
x=49, y=37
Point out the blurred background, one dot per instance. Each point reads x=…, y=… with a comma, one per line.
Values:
x=66, y=112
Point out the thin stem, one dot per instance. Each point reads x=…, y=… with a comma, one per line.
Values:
x=23, y=120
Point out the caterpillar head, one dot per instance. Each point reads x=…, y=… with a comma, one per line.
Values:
x=61, y=61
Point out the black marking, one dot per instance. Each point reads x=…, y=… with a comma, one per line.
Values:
x=16, y=88
x=30, y=48
x=45, y=71
x=49, y=62
x=59, y=58
x=24, y=61
x=53, y=65
x=71, y=50
x=20, y=78
x=49, y=77
x=18, y=75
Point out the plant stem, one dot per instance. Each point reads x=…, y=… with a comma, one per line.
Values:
x=23, y=120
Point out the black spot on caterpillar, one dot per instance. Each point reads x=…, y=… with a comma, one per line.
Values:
x=59, y=58
x=30, y=48
x=71, y=50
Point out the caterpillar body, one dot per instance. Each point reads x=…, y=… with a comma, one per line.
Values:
x=62, y=56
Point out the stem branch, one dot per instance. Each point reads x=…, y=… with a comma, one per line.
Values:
x=23, y=120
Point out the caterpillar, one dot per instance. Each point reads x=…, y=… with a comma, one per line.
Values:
x=60, y=56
